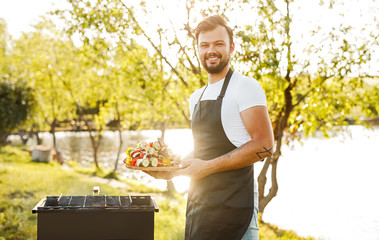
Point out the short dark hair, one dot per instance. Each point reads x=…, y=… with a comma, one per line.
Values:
x=210, y=23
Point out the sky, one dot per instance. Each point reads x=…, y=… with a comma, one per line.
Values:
x=19, y=14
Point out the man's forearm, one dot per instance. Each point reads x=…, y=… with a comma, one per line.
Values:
x=243, y=156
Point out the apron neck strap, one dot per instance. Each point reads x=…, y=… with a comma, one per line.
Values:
x=224, y=86
x=226, y=83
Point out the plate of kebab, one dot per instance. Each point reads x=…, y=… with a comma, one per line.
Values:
x=152, y=156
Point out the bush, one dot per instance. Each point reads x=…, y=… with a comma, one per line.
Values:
x=16, y=104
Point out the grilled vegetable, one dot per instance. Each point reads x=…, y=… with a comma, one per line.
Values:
x=145, y=162
x=142, y=145
x=154, y=162
x=154, y=154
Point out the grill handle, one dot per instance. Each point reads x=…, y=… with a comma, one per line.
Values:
x=59, y=198
x=130, y=199
x=156, y=208
x=40, y=204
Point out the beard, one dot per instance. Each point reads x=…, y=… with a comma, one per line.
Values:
x=214, y=69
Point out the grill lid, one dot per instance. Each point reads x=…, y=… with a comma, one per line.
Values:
x=97, y=202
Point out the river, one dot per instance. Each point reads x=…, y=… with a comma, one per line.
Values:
x=328, y=188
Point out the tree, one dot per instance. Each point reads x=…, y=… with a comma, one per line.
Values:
x=16, y=100
x=133, y=80
x=304, y=94
x=16, y=105
x=4, y=40
x=44, y=58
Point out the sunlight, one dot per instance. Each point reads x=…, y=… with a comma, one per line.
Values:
x=180, y=141
x=181, y=183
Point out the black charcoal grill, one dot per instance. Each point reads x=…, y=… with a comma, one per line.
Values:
x=96, y=217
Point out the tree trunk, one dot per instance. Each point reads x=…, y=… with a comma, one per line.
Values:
x=163, y=130
x=24, y=136
x=52, y=131
x=273, y=160
x=119, y=137
x=3, y=138
x=262, y=179
x=57, y=153
x=39, y=140
x=36, y=133
x=170, y=185
x=95, y=143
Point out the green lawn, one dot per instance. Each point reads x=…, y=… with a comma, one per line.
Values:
x=23, y=183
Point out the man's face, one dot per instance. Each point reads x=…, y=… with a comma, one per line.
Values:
x=214, y=49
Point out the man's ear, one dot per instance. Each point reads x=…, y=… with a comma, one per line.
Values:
x=232, y=47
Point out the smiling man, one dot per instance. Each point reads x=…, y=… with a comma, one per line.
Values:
x=231, y=130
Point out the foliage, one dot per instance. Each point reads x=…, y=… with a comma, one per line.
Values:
x=269, y=232
x=16, y=99
x=16, y=105
x=138, y=73
x=4, y=41
x=133, y=75
x=304, y=94
x=129, y=81
x=44, y=59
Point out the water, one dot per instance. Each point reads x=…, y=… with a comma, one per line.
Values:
x=77, y=146
x=327, y=187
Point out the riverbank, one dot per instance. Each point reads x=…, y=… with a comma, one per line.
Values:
x=23, y=183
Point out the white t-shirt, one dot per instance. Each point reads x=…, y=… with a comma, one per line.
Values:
x=242, y=93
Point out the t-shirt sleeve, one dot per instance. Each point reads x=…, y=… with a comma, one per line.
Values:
x=250, y=94
x=194, y=98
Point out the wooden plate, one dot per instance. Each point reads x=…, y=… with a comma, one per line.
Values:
x=158, y=169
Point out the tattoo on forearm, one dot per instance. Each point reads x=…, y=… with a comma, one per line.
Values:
x=229, y=154
x=266, y=151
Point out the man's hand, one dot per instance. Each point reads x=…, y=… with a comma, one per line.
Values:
x=169, y=174
x=196, y=168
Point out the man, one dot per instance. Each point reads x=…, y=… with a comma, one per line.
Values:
x=231, y=130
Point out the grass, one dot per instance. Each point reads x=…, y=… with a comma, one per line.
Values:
x=24, y=183
x=269, y=232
